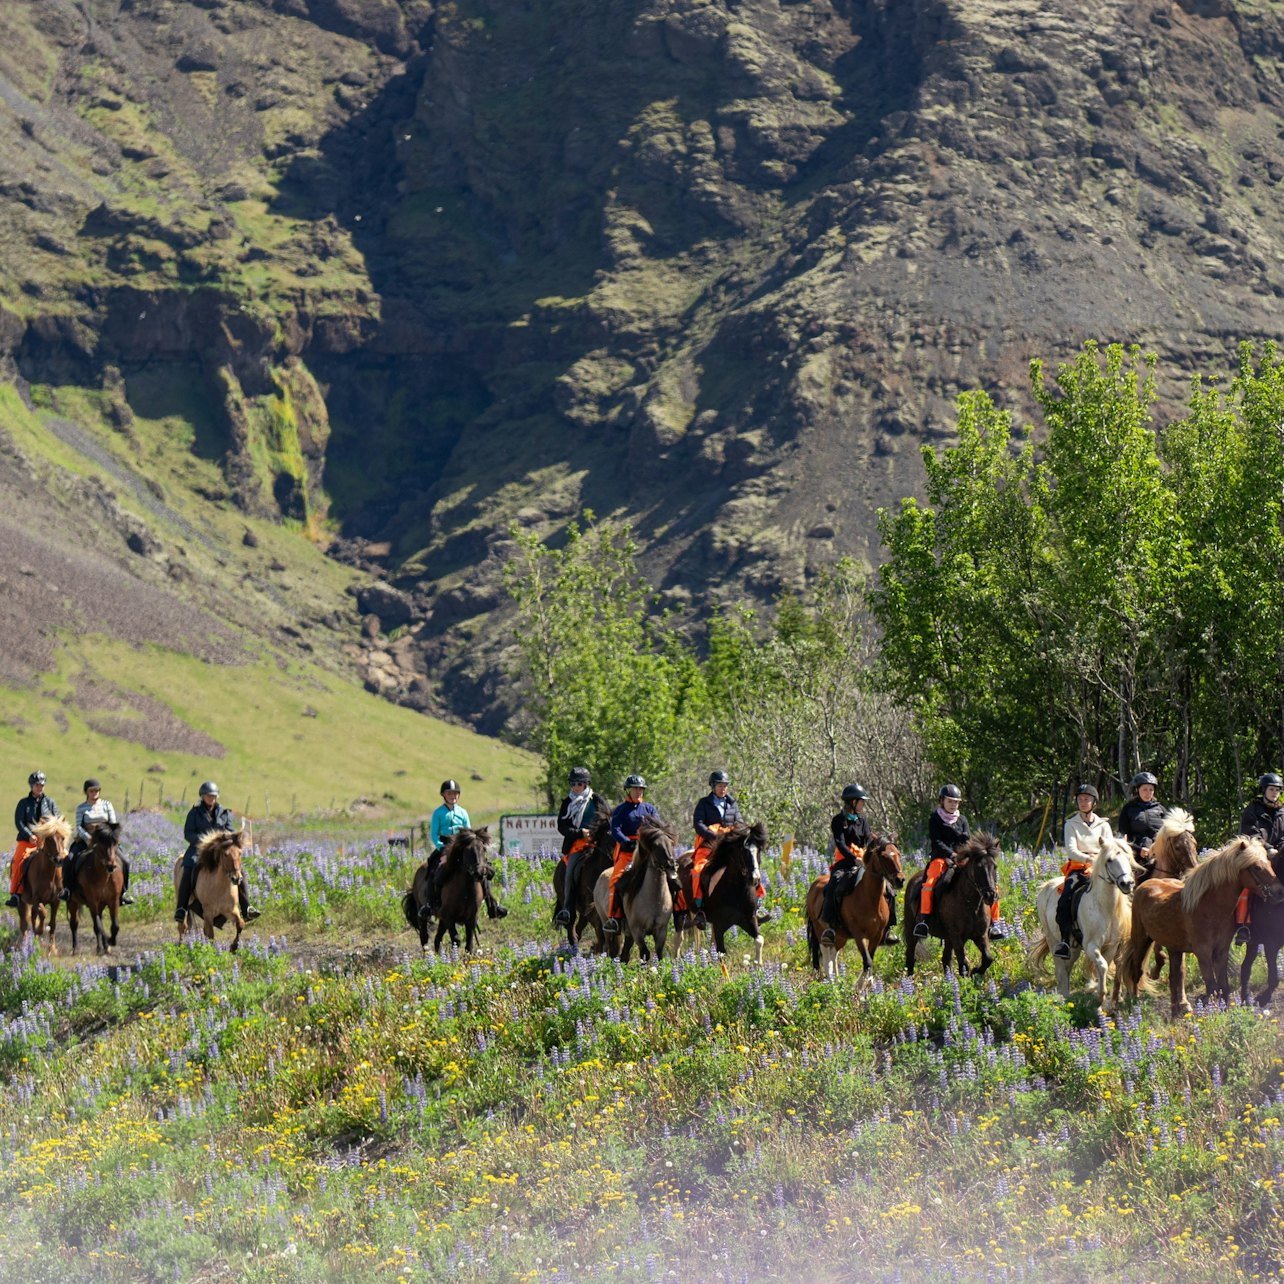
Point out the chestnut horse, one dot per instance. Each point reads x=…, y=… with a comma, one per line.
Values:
x=962, y=906
x=99, y=884
x=1174, y=854
x=579, y=899
x=42, y=879
x=730, y=882
x=863, y=913
x=465, y=865
x=1197, y=917
x=216, y=886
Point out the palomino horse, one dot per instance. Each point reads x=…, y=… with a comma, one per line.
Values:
x=1104, y=917
x=579, y=899
x=98, y=885
x=465, y=866
x=730, y=883
x=962, y=906
x=643, y=892
x=1267, y=932
x=1174, y=854
x=1197, y=917
x=42, y=879
x=864, y=912
x=217, y=886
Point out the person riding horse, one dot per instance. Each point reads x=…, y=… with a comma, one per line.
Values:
x=852, y=835
x=94, y=810
x=1263, y=818
x=947, y=831
x=31, y=810
x=447, y=821
x=207, y=817
x=626, y=822
x=1141, y=818
x=1085, y=824
x=575, y=823
x=714, y=814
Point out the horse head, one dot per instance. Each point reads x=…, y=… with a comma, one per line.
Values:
x=883, y=857
x=1258, y=874
x=740, y=848
x=54, y=831
x=657, y=843
x=104, y=839
x=469, y=849
x=1174, y=850
x=978, y=858
x=1113, y=862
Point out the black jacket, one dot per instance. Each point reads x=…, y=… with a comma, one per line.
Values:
x=201, y=821
x=706, y=814
x=31, y=811
x=571, y=832
x=1262, y=821
x=849, y=834
x=944, y=840
x=1139, y=822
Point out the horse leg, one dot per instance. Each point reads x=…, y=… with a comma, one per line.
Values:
x=719, y=938
x=1272, y=973
x=470, y=936
x=911, y=943
x=758, y=943
x=1097, y=962
x=115, y=924
x=240, y=924
x=661, y=936
x=73, y=921
x=1177, y=985
x=100, y=933
x=867, y=962
x=208, y=922
x=441, y=932
x=1156, y=963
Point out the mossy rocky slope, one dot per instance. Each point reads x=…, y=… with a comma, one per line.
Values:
x=439, y=267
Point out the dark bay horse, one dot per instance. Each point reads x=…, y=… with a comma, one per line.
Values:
x=579, y=898
x=962, y=905
x=99, y=885
x=863, y=912
x=732, y=876
x=1266, y=932
x=643, y=892
x=42, y=879
x=1197, y=916
x=465, y=865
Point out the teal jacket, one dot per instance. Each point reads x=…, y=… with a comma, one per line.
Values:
x=447, y=822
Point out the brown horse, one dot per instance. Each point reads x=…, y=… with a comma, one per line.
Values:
x=863, y=912
x=588, y=865
x=215, y=895
x=465, y=867
x=730, y=882
x=643, y=892
x=99, y=884
x=1173, y=854
x=962, y=905
x=1197, y=917
x=42, y=879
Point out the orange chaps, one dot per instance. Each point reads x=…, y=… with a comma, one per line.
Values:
x=1243, y=914
x=620, y=861
x=935, y=868
x=579, y=845
x=1072, y=867
x=700, y=858
x=20, y=854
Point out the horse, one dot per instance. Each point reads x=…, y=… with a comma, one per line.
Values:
x=465, y=866
x=731, y=880
x=1197, y=917
x=216, y=889
x=1174, y=853
x=1104, y=913
x=962, y=904
x=863, y=912
x=1267, y=932
x=588, y=866
x=42, y=879
x=643, y=892
x=99, y=884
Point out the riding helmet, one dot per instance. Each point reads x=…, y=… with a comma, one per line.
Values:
x=36, y=778
x=853, y=793
x=951, y=791
x=1143, y=778
x=209, y=787
x=634, y=781
x=91, y=783
x=1269, y=778
x=580, y=776
x=1090, y=790
x=450, y=786
x=718, y=778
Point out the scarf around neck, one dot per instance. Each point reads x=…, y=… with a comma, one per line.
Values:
x=951, y=818
x=576, y=808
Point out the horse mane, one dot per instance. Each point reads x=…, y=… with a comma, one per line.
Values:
x=475, y=840
x=878, y=844
x=108, y=829
x=601, y=827
x=981, y=846
x=54, y=825
x=210, y=847
x=720, y=852
x=1178, y=824
x=631, y=880
x=1222, y=867
x=653, y=830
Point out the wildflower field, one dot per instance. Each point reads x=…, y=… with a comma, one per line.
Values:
x=329, y=1105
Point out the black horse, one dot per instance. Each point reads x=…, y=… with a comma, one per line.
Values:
x=589, y=864
x=961, y=904
x=465, y=872
x=732, y=899
x=1266, y=931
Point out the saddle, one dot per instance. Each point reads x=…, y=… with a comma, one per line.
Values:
x=1078, y=885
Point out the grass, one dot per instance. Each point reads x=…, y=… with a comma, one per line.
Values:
x=331, y=1106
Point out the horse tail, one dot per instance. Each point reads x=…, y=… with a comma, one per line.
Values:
x=1037, y=953
x=410, y=908
x=1133, y=963
x=813, y=943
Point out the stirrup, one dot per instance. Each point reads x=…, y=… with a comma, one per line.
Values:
x=611, y=926
x=997, y=933
x=890, y=938
x=1062, y=951
x=250, y=914
x=828, y=936
x=921, y=931
x=562, y=918
x=126, y=898
x=1243, y=934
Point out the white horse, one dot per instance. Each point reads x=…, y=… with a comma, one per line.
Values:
x=1105, y=917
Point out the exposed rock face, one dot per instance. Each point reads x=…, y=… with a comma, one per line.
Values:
x=718, y=264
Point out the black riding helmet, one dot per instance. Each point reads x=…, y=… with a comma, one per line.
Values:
x=1269, y=778
x=36, y=778
x=853, y=793
x=634, y=781
x=450, y=787
x=91, y=783
x=1090, y=790
x=718, y=778
x=950, y=791
x=1142, y=778
x=579, y=776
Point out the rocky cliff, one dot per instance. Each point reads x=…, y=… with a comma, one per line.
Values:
x=433, y=268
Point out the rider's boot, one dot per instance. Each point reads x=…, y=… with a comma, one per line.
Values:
x=248, y=912
x=125, y=897
x=184, y=894
x=1063, y=949
x=493, y=908
x=997, y=933
x=699, y=922
x=890, y=937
